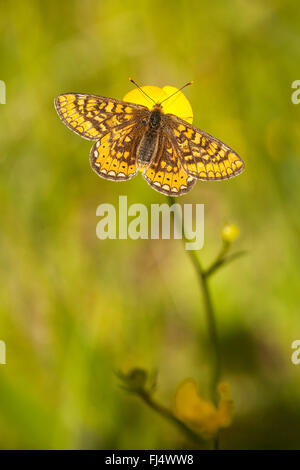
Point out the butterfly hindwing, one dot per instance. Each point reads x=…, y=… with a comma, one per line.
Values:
x=164, y=172
x=92, y=116
x=114, y=155
x=203, y=156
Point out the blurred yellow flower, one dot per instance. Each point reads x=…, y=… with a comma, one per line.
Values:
x=201, y=414
x=178, y=104
x=230, y=232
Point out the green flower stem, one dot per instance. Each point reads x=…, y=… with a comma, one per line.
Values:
x=136, y=384
x=166, y=413
x=211, y=325
x=210, y=317
x=221, y=260
x=212, y=332
x=209, y=312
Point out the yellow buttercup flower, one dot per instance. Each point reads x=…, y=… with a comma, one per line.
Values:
x=230, y=232
x=201, y=414
x=178, y=104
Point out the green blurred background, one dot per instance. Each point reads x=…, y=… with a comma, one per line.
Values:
x=75, y=309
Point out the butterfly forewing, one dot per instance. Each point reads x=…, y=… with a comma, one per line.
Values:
x=202, y=155
x=93, y=116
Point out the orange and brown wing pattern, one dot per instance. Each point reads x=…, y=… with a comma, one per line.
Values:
x=202, y=155
x=92, y=116
x=114, y=155
x=164, y=172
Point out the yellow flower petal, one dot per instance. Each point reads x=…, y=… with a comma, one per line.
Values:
x=197, y=412
x=178, y=104
x=188, y=403
x=225, y=408
x=201, y=414
x=136, y=96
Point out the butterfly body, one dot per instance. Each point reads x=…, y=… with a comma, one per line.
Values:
x=147, y=147
x=171, y=153
x=149, y=142
x=155, y=117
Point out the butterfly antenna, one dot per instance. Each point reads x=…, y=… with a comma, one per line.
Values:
x=177, y=91
x=132, y=81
